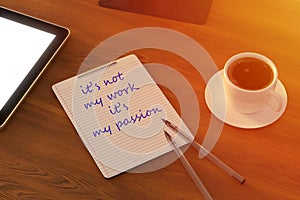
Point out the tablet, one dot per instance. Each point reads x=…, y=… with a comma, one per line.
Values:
x=27, y=45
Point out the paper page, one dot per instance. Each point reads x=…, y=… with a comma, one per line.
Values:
x=117, y=110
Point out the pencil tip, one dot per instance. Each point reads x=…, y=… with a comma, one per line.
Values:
x=168, y=136
x=163, y=120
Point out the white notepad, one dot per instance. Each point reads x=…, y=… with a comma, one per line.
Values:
x=117, y=110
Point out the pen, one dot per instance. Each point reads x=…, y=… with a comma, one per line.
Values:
x=189, y=168
x=209, y=155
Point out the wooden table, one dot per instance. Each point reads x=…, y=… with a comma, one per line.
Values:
x=42, y=156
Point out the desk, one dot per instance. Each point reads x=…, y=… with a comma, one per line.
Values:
x=42, y=157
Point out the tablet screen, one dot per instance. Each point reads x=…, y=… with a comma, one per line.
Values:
x=21, y=47
x=27, y=45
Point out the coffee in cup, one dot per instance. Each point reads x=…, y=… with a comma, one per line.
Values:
x=249, y=81
x=250, y=73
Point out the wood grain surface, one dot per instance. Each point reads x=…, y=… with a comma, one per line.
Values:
x=42, y=156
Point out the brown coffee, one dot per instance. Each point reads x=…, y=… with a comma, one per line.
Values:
x=250, y=73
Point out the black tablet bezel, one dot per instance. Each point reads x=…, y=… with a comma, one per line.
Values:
x=61, y=35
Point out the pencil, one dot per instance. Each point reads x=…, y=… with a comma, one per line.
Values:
x=209, y=155
x=189, y=168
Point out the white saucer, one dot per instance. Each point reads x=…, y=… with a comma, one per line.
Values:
x=216, y=102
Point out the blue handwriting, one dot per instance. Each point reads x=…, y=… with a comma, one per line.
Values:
x=89, y=87
x=114, y=79
x=117, y=108
x=137, y=117
x=94, y=103
x=103, y=130
x=119, y=93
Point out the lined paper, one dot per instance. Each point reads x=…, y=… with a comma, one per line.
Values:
x=116, y=110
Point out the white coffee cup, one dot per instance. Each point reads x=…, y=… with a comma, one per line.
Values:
x=247, y=100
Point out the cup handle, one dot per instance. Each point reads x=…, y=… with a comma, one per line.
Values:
x=276, y=106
